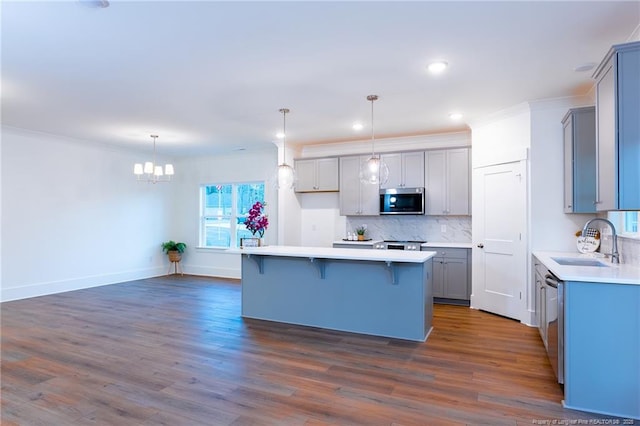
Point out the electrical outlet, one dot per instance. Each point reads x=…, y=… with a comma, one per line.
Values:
x=443, y=228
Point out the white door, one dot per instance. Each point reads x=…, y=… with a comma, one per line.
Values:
x=498, y=228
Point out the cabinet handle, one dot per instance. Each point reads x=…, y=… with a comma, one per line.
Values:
x=569, y=206
x=480, y=245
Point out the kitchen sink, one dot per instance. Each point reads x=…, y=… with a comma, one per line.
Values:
x=574, y=261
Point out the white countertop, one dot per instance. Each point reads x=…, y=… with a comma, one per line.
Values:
x=446, y=244
x=342, y=253
x=612, y=273
x=356, y=242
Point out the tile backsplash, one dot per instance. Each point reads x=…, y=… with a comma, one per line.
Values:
x=417, y=228
x=629, y=248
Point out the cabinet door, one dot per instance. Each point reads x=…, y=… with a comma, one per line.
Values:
x=584, y=160
x=327, y=174
x=306, y=174
x=458, y=181
x=349, y=186
x=357, y=198
x=456, y=283
x=606, y=143
x=435, y=174
x=413, y=169
x=394, y=163
x=568, y=165
x=628, y=108
x=438, y=277
x=369, y=197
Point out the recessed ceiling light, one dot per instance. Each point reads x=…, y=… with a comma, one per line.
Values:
x=280, y=135
x=357, y=126
x=455, y=116
x=94, y=4
x=587, y=66
x=437, y=67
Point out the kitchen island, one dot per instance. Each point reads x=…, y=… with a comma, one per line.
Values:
x=378, y=292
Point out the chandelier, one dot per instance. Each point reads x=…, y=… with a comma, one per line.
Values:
x=373, y=171
x=150, y=172
x=286, y=175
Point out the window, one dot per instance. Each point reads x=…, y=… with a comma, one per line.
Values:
x=223, y=209
x=626, y=223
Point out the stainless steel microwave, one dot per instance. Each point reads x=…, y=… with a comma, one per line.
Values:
x=402, y=201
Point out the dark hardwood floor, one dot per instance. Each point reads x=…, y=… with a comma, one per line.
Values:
x=175, y=351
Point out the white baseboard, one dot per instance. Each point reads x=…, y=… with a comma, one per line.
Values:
x=61, y=286
x=211, y=271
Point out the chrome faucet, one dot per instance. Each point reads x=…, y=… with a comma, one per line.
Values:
x=615, y=256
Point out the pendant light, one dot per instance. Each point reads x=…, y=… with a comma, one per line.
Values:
x=151, y=172
x=286, y=175
x=374, y=171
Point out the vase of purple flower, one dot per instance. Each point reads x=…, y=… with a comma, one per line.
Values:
x=257, y=222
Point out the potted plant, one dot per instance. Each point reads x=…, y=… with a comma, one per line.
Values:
x=174, y=250
x=361, y=230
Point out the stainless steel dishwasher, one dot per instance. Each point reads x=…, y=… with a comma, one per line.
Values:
x=554, y=323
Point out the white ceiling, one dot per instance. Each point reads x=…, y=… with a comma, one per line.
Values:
x=209, y=77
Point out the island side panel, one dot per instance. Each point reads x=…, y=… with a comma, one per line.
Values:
x=355, y=296
x=602, y=348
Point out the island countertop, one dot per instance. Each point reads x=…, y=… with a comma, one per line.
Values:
x=342, y=253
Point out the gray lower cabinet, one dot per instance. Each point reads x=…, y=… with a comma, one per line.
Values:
x=451, y=273
x=618, y=128
x=580, y=160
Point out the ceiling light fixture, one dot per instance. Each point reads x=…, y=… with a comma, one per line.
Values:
x=437, y=67
x=373, y=171
x=286, y=174
x=357, y=126
x=94, y=4
x=151, y=172
x=455, y=116
x=587, y=66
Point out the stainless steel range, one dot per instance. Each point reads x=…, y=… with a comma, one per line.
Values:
x=398, y=245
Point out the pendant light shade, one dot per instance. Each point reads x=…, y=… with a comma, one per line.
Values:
x=151, y=172
x=285, y=174
x=373, y=171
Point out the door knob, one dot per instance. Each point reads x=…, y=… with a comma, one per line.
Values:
x=480, y=245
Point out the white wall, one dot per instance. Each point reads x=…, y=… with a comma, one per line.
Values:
x=74, y=216
x=321, y=223
x=191, y=173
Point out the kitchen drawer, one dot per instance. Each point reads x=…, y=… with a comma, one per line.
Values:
x=456, y=253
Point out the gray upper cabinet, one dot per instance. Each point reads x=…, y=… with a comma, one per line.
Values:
x=580, y=160
x=447, y=182
x=618, y=128
x=406, y=170
x=356, y=198
x=317, y=175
